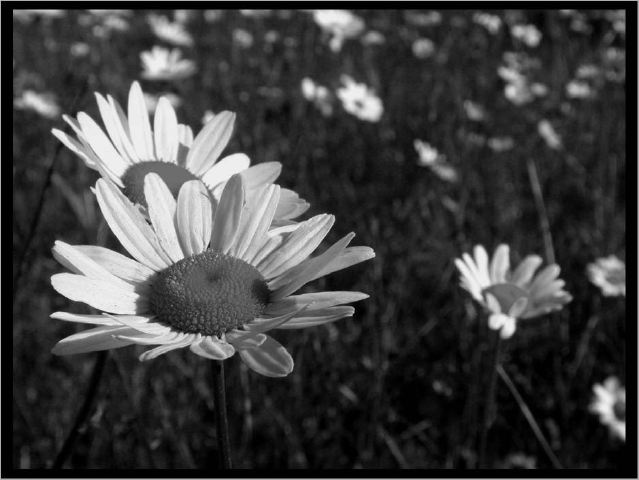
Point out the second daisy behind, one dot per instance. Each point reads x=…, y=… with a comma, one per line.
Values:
x=213, y=281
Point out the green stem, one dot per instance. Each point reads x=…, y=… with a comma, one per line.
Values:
x=221, y=422
x=529, y=417
x=84, y=411
x=490, y=403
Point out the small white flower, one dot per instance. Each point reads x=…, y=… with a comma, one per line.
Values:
x=609, y=274
x=374, y=38
x=609, y=404
x=588, y=70
x=508, y=294
x=359, y=100
x=242, y=38
x=436, y=162
x=579, y=89
x=319, y=95
x=474, y=111
x=171, y=32
x=548, y=133
x=424, y=19
x=44, y=104
x=501, y=144
x=79, y=49
x=423, y=48
x=207, y=117
x=492, y=23
x=212, y=16
x=163, y=64
x=339, y=24
x=528, y=34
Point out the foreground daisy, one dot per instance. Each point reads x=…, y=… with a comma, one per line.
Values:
x=609, y=403
x=133, y=148
x=609, y=274
x=214, y=280
x=511, y=295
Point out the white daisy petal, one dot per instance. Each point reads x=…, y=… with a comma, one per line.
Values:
x=92, y=340
x=225, y=169
x=100, y=294
x=301, y=274
x=244, y=341
x=121, y=124
x=290, y=205
x=500, y=264
x=314, y=318
x=141, y=338
x=194, y=217
x=256, y=218
x=139, y=124
x=128, y=225
x=518, y=307
x=161, y=209
x=481, y=261
x=318, y=299
x=547, y=275
x=474, y=271
x=228, y=215
x=212, y=348
x=509, y=328
x=157, y=351
x=299, y=245
x=492, y=304
x=102, y=146
x=73, y=145
x=261, y=325
x=165, y=131
x=210, y=142
x=78, y=262
x=261, y=174
x=141, y=324
x=122, y=267
x=269, y=246
x=90, y=319
x=270, y=359
x=111, y=120
x=348, y=257
x=525, y=270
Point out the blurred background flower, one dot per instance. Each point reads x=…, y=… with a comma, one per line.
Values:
x=360, y=100
x=609, y=274
x=609, y=404
x=163, y=64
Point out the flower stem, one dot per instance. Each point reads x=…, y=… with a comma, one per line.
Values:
x=221, y=422
x=529, y=417
x=489, y=404
x=541, y=210
x=83, y=413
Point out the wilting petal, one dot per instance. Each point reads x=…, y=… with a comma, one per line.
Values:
x=212, y=348
x=270, y=359
x=91, y=319
x=313, y=318
x=182, y=342
x=92, y=340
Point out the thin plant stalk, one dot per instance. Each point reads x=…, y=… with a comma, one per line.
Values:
x=529, y=417
x=490, y=403
x=541, y=210
x=83, y=413
x=221, y=420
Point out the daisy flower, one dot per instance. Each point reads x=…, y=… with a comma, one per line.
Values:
x=528, y=34
x=430, y=157
x=133, y=148
x=340, y=25
x=44, y=104
x=579, y=89
x=492, y=23
x=609, y=274
x=609, y=404
x=549, y=134
x=319, y=95
x=511, y=295
x=171, y=32
x=423, y=48
x=359, y=100
x=163, y=64
x=211, y=278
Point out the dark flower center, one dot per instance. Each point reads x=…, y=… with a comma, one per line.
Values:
x=620, y=410
x=209, y=293
x=173, y=175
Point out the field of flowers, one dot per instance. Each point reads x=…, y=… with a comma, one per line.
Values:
x=471, y=150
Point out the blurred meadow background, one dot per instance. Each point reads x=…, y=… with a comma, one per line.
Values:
x=436, y=151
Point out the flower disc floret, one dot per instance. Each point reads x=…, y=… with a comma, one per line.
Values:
x=210, y=293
